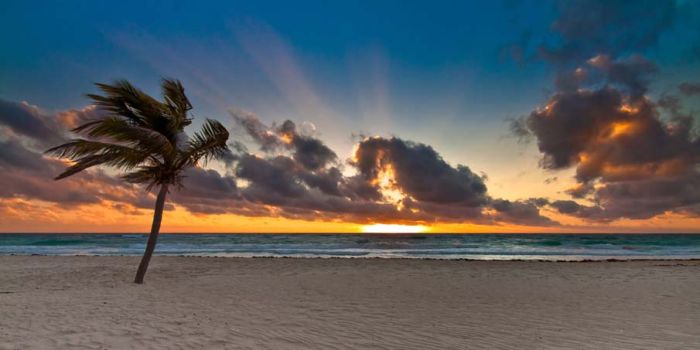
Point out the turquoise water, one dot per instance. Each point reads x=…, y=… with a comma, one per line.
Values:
x=479, y=247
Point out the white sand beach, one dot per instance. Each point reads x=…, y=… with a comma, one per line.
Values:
x=237, y=303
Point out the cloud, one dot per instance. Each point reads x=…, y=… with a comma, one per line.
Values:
x=292, y=174
x=254, y=128
x=389, y=179
x=640, y=199
x=207, y=183
x=270, y=177
x=585, y=28
x=525, y=212
x=419, y=172
x=23, y=119
x=205, y=191
x=635, y=157
x=611, y=131
x=630, y=73
x=619, y=141
x=307, y=150
x=582, y=29
x=689, y=89
x=26, y=173
x=651, y=196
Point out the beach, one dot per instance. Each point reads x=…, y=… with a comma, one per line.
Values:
x=295, y=303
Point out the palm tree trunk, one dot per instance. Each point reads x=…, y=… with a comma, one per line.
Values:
x=153, y=237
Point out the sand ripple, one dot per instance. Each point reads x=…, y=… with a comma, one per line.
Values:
x=217, y=303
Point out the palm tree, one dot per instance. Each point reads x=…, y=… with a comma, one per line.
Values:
x=144, y=138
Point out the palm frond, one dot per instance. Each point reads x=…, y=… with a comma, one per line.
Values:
x=177, y=102
x=140, y=135
x=87, y=154
x=118, y=129
x=208, y=143
x=77, y=148
x=123, y=99
x=148, y=175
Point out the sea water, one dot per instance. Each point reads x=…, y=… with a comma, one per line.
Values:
x=570, y=247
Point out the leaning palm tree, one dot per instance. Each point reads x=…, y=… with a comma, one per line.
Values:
x=144, y=138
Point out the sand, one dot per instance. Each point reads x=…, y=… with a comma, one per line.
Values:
x=222, y=303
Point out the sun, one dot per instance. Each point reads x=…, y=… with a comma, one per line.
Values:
x=393, y=228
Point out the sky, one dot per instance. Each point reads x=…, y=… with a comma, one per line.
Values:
x=448, y=116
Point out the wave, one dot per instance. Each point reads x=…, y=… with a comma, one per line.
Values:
x=448, y=247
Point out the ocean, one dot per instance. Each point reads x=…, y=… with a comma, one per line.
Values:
x=569, y=247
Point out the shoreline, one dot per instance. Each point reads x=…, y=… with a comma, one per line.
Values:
x=403, y=258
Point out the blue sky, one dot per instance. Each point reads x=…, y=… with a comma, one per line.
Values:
x=423, y=51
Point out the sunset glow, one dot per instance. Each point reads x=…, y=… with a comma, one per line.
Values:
x=621, y=128
x=386, y=182
x=393, y=228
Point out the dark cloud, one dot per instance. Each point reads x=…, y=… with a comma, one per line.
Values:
x=577, y=118
x=27, y=174
x=419, y=172
x=206, y=183
x=640, y=199
x=326, y=181
x=630, y=73
x=525, y=212
x=206, y=191
x=611, y=131
x=689, y=89
x=310, y=152
x=297, y=176
x=25, y=132
x=582, y=29
x=586, y=28
x=632, y=154
x=15, y=155
x=634, y=157
x=651, y=196
x=259, y=132
x=270, y=177
x=26, y=120
x=566, y=206
x=603, y=124
x=395, y=180
x=294, y=192
x=357, y=187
